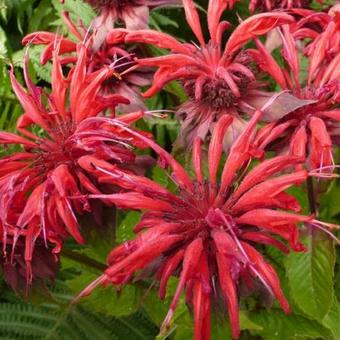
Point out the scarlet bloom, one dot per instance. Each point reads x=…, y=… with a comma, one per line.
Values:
x=309, y=131
x=125, y=79
x=36, y=182
x=216, y=77
x=207, y=232
x=323, y=29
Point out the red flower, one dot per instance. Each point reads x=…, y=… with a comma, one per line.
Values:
x=36, y=182
x=126, y=80
x=216, y=77
x=309, y=131
x=207, y=231
x=324, y=31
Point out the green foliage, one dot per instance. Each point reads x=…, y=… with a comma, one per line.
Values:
x=311, y=274
x=276, y=325
x=58, y=319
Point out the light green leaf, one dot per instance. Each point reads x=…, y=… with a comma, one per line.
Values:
x=310, y=276
x=277, y=325
x=332, y=319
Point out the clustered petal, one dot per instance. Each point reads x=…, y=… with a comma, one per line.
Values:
x=206, y=232
x=217, y=77
x=74, y=149
x=312, y=130
x=37, y=183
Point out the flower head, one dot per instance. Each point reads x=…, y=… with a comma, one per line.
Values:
x=311, y=130
x=125, y=80
x=37, y=181
x=216, y=77
x=207, y=232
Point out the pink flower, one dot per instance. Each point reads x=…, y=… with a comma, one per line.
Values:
x=36, y=182
x=309, y=131
x=207, y=232
x=217, y=78
x=133, y=14
x=125, y=80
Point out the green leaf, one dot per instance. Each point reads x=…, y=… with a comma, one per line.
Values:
x=25, y=321
x=3, y=43
x=332, y=318
x=310, y=275
x=330, y=202
x=276, y=325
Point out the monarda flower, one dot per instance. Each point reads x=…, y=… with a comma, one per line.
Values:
x=309, y=131
x=216, y=77
x=125, y=79
x=133, y=14
x=208, y=231
x=323, y=31
x=36, y=182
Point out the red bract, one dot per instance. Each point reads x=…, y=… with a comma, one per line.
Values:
x=324, y=31
x=125, y=79
x=216, y=77
x=207, y=232
x=36, y=182
x=269, y=5
x=309, y=130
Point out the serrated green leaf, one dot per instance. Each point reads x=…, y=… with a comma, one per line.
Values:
x=332, y=319
x=277, y=325
x=310, y=275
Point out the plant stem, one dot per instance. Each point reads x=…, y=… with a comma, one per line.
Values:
x=311, y=196
x=84, y=260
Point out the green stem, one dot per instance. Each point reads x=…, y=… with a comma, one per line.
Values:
x=83, y=259
x=311, y=196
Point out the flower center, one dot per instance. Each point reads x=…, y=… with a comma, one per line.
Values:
x=117, y=4
x=118, y=64
x=57, y=150
x=216, y=93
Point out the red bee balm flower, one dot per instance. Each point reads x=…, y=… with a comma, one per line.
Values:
x=207, y=232
x=125, y=79
x=35, y=183
x=310, y=130
x=216, y=78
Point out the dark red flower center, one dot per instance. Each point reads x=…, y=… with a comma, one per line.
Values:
x=60, y=149
x=117, y=4
x=216, y=93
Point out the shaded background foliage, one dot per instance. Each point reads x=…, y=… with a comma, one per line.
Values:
x=311, y=280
